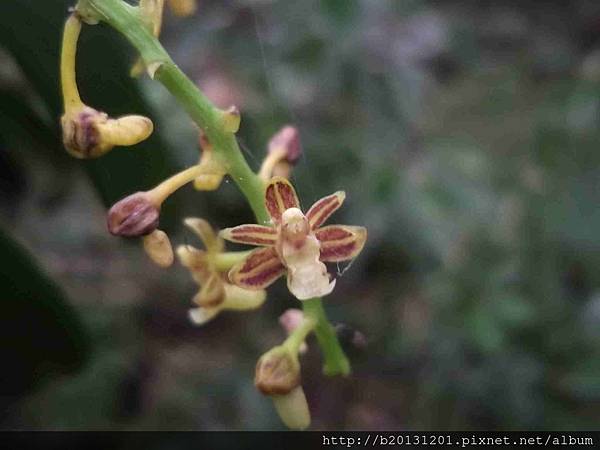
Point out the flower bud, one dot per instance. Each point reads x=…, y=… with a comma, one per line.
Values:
x=282, y=169
x=231, y=119
x=277, y=372
x=88, y=133
x=133, y=216
x=158, y=247
x=80, y=136
x=288, y=139
x=293, y=409
x=213, y=171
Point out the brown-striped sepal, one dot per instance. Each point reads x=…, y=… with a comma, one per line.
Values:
x=205, y=232
x=340, y=242
x=196, y=261
x=260, y=269
x=279, y=196
x=251, y=234
x=212, y=293
x=318, y=213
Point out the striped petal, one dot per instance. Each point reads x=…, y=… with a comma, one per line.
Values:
x=340, y=242
x=212, y=293
x=324, y=208
x=251, y=234
x=260, y=269
x=206, y=234
x=279, y=196
x=196, y=261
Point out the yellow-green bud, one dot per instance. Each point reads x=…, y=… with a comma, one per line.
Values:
x=158, y=247
x=293, y=409
x=231, y=119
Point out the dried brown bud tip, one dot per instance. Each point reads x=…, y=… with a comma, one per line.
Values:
x=277, y=372
x=287, y=138
x=80, y=134
x=134, y=216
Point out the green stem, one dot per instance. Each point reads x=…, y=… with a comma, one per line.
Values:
x=336, y=362
x=298, y=336
x=225, y=261
x=125, y=19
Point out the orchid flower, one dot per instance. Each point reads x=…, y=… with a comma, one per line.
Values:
x=295, y=244
x=215, y=293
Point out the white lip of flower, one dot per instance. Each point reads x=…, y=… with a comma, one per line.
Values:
x=300, y=250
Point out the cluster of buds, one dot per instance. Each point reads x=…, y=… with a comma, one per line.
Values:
x=137, y=216
x=293, y=243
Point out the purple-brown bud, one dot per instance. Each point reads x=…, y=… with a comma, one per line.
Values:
x=288, y=138
x=134, y=216
x=277, y=372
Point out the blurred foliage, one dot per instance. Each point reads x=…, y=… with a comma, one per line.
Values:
x=41, y=334
x=466, y=136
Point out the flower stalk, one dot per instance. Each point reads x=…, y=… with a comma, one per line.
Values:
x=72, y=99
x=161, y=192
x=298, y=336
x=216, y=125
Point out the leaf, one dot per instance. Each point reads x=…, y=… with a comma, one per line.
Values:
x=40, y=333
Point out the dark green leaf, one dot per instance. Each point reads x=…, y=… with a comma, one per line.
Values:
x=40, y=332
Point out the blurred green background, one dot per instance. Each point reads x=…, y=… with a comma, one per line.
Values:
x=466, y=136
